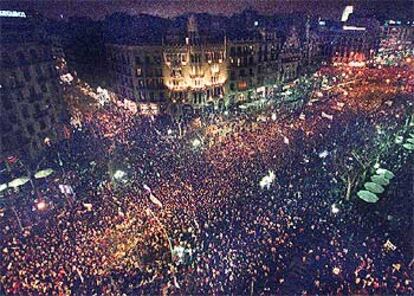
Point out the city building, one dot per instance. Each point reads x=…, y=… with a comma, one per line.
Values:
x=396, y=36
x=355, y=39
x=180, y=74
x=255, y=64
x=31, y=99
x=195, y=69
x=136, y=75
x=189, y=71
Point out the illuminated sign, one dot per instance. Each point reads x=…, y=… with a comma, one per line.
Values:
x=356, y=64
x=347, y=11
x=322, y=23
x=12, y=13
x=353, y=28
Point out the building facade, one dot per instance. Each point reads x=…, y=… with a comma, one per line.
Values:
x=31, y=98
x=356, y=40
x=181, y=75
x=190, y=72
x=396, y=36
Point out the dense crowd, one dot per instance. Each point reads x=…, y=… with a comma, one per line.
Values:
x=194, y=220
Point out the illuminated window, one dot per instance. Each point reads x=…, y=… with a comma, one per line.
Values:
x=176, y=73
x=242, y=85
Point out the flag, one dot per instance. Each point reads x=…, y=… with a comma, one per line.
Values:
x=389, y=246
x=323, y=154
x=66, y=189
x=146, y=187
x=330, y=117
x=176, y=283
x=11, y=159
x=155, y=200
x=88, y=206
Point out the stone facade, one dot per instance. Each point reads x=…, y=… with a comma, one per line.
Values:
x=190, y=73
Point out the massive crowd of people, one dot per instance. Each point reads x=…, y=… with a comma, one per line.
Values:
x=194, y=220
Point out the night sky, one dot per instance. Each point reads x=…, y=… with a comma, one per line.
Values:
x=169, y=8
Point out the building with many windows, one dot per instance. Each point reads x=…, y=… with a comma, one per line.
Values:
x=181, y=74
x=254, y=65
x=396, y=36
x=31, y=99
x=187, y=71
x=136, y=74
x=355, y=40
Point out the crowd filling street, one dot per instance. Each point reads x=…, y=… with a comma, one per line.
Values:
x=153, y=212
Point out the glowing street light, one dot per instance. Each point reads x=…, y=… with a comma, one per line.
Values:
x=336, y=270
x=196, y=143
x=41, y=205
x=119, y=174
x=267, y=180
x=334, y=209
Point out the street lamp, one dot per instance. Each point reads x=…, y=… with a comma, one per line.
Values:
x=41, y=204
x=119, y=174
x=196, y=143
x=334, y=209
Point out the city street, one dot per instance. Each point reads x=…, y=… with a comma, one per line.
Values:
x=194, y=147
x=157, y=213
